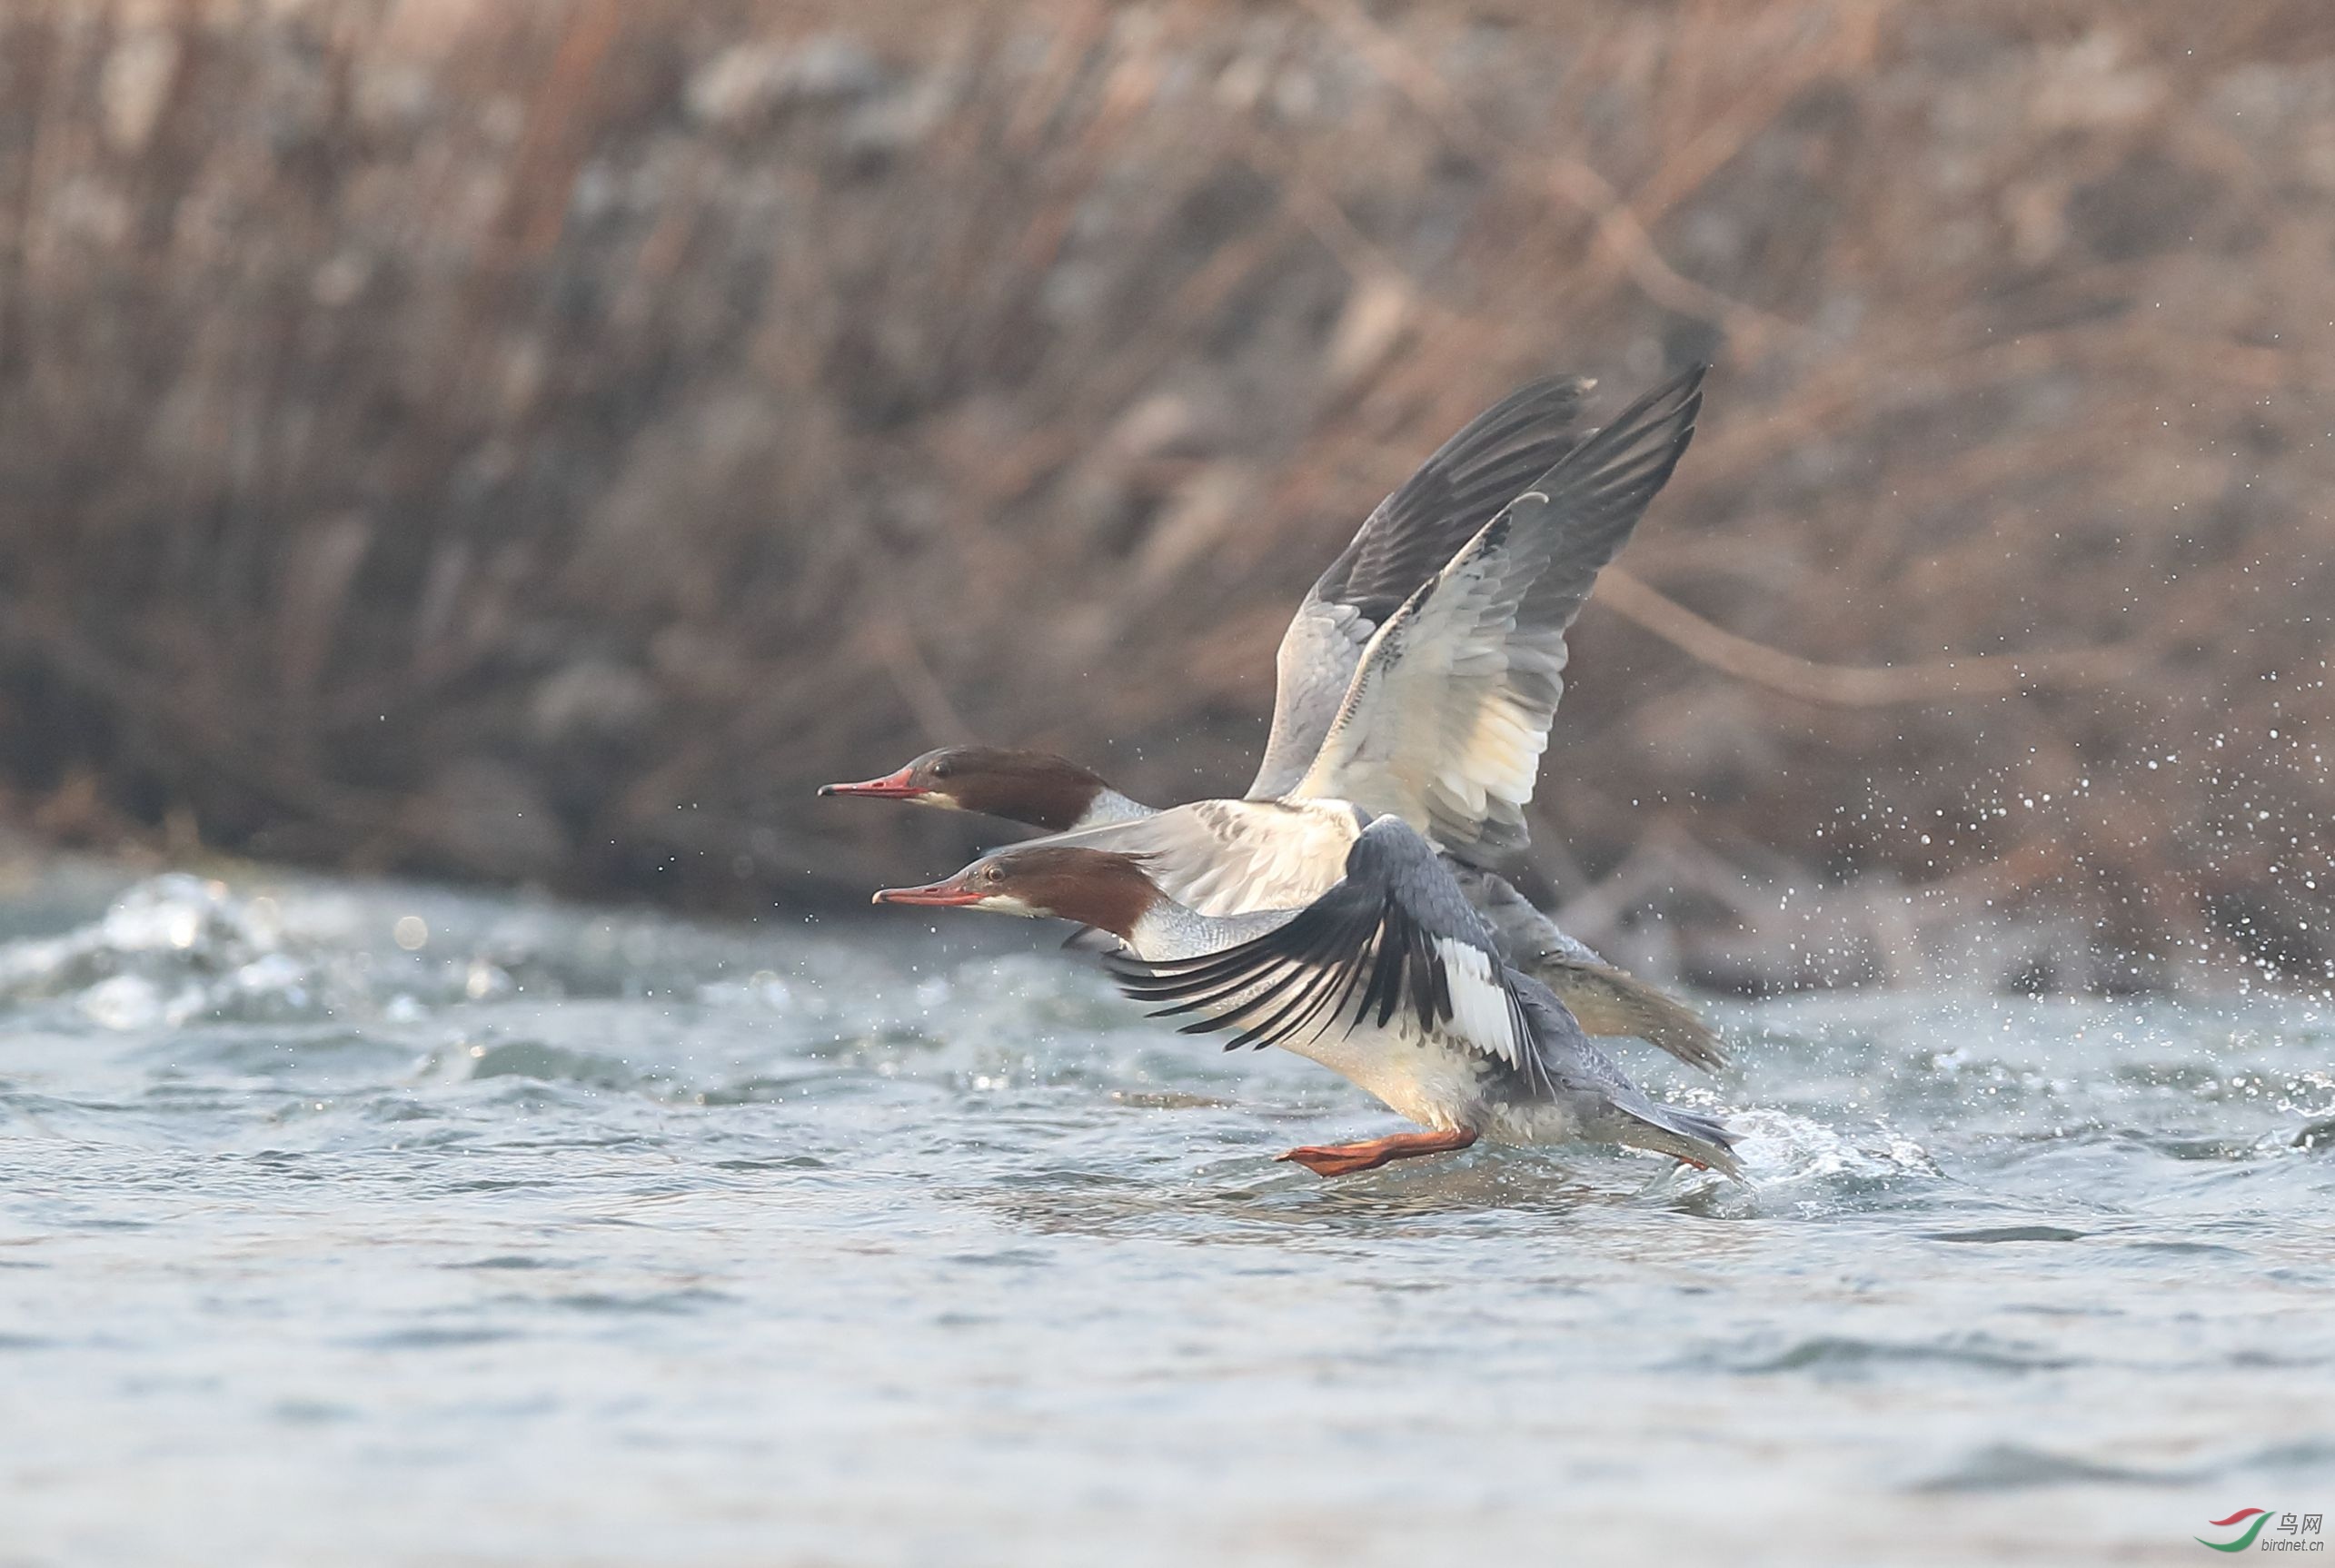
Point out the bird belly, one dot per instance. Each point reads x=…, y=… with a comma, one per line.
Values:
x=1534, y=1121
x=1417, y=1074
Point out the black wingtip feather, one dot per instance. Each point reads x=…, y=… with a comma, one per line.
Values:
x=1362, y=948
x=1462, y=486
x=1353, y=948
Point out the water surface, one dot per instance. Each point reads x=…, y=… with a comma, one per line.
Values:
x=366, y=1224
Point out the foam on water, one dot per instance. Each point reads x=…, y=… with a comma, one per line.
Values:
x=362, y=1223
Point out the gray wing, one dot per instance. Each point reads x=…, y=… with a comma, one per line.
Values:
x=1525, y=934
x=1394, y=935
x=1604, y=999
x=1402, y=543
x=1447, y=717
x=1577, y=1070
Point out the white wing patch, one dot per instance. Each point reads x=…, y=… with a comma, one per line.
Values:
x=1446, y=718
x=1482, y=1012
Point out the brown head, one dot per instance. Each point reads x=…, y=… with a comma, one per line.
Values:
x=1035, y=787
x=1109, y=892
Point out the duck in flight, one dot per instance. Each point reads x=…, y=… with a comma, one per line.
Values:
x=1417, y=679
x=1390, y=978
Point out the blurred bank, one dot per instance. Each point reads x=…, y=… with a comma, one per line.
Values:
x=540, y=442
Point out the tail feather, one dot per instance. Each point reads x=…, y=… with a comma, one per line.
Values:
x=1611, y=1001
x=1682, y=1134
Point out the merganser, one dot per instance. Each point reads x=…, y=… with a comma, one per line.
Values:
x=1446, y=696
x=1389, y=978
x=1041, y=790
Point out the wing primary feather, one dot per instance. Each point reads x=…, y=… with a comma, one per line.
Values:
x=1269, y=965
x=1349, y=974
x=1280, y=1027
x=1332, y=978
x=1331, y=943
x=1528, y=1042
x=1283, y=975
x=1180, y=976
x=1362, y=948
x=1265, y=1030
x=1381, y=962
x=1301, y=1004
x=1404, y=541
x=1271, y=989
x=1157, y=982
x=1447, y=715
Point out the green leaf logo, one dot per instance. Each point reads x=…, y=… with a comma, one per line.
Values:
x=2259, y=1517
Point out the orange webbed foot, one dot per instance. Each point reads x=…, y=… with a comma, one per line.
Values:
x=1346, y=1159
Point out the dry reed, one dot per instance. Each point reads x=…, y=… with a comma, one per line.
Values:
x=543, y=442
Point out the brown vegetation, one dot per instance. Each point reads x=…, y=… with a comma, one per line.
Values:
x=545, y=440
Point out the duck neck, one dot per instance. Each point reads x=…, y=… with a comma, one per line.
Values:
x=1109, y=808
x=1168, y=930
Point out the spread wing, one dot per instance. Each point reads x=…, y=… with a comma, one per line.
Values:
x=1411, y=534
x=1230, y=856
x=1446, y=719
x=1394, y=935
